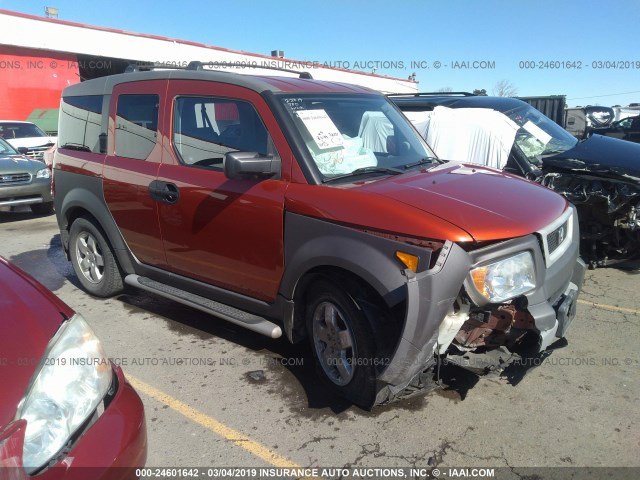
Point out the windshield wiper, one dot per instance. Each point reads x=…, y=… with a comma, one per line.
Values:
x=364, y=170
x=76, y=146
x=423, y=161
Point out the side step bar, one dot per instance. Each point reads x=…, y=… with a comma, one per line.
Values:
x=231, y=314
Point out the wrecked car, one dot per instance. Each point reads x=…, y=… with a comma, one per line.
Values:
x=600, y=175
x=311, y=210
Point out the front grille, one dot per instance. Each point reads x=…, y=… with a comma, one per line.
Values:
x=37, y=152
x=559, y=235
x=14, y=178
x=556, y=237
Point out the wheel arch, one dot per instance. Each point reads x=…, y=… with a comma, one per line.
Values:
x=386, y=320
x=381, y=325
x=80, y=202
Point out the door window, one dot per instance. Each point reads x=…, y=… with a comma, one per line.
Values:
x=136, y=125
x=206, y=128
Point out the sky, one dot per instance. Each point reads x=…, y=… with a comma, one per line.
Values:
x=585, y=50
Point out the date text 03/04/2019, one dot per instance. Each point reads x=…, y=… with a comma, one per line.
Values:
x=286, y=473
x=579, y=64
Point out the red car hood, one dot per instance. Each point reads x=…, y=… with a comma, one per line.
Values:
x=486, y=203
x=31, y=315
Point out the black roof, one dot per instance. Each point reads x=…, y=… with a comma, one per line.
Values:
x=258, y=83
x=428, y=102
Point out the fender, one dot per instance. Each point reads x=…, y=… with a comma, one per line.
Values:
x=310, y=242
x=86, y=194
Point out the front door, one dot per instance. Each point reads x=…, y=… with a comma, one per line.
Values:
x=228, y=233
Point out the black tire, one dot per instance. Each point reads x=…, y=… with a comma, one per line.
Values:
x=349, y=371
x=42, y=208
x=93, y=260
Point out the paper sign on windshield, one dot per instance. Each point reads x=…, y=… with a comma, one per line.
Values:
x=322, y=129
x=537, y=132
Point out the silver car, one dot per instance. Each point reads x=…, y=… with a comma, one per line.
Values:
x=24, y=181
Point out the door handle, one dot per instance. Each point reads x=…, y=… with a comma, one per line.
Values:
x=164, y=192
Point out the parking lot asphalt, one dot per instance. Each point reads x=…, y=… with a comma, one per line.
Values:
x=218, y=395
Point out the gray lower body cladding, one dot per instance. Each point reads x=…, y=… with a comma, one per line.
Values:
x=429, y=297
x=428, y=294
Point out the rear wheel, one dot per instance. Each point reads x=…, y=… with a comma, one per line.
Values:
x=45, y=208
x=93, y=259
x=342, y=343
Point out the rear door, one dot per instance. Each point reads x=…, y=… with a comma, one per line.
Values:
x=134, y=155
x=228, y=233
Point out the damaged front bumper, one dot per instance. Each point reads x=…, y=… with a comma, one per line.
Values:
x=445, y=314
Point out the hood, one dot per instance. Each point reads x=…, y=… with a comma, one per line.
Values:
x=31, y=315
x=19, y=164
x=31, y=142
x=600, y=155
x=486, y=203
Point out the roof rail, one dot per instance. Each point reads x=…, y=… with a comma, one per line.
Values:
x=136, y=67
x=197, y=65
x=432, y=94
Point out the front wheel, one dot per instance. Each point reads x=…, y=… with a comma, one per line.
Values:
x=93, y=260
x=342, y=343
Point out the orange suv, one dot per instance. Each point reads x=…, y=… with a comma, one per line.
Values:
x=314, y=210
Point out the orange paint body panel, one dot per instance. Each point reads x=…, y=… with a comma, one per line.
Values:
x=126, y=186
x=228, y=233
x=450, y=202
x=486, y=203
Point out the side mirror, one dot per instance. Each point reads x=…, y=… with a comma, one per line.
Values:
x=242, y=165
x=22, y=150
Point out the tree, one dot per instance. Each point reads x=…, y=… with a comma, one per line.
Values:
x=504, y=88
x=478, y=91
x=445, y=90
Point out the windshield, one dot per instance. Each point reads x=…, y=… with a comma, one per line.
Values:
x=538, y=135
x=356, y=134
x=20, y=130
x=6, y=149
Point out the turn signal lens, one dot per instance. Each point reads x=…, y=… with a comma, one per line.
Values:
x=408, y=260
x=478, y=276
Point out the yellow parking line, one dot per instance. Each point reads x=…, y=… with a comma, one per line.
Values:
x=213, y=425
x=611, y=308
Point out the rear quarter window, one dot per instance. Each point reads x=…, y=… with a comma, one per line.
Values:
x=80, y=123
